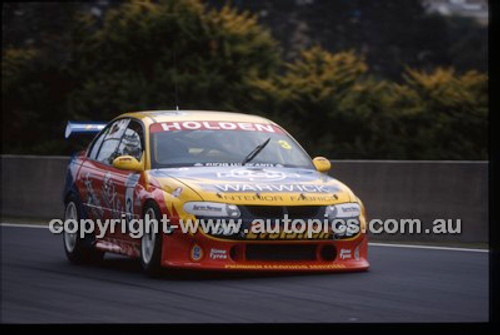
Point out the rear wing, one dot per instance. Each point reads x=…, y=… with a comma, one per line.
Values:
x=83, y=127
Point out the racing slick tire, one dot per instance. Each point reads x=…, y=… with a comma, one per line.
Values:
x=151, y=242
x=79, y=250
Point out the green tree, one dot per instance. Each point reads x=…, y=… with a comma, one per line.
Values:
x=335, y=108
x=33, y=102
x=145, y=49
x=140, y=53
x=35, y=78
x=442, y=115
x=128, y=60
x=391, y=34
x=323, y=99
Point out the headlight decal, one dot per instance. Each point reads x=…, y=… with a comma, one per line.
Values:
x=212, y=209
x=346, y=210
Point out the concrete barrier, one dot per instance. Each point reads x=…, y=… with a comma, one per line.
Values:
x=426, y=190
x=32, y=186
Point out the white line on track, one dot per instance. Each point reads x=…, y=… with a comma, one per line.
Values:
x=23, y=225
x=390, y=245
x=413, y=246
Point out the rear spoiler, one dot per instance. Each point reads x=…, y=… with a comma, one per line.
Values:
x=83, y=127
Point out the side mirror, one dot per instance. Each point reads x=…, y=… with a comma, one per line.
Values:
x=128, y=163
x=322, y=164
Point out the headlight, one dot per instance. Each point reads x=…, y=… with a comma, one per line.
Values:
x=212, y=209
x=346, y=210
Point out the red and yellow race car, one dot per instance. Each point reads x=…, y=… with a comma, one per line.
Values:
x=158, y=174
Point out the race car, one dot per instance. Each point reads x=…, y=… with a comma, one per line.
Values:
x=160, y=173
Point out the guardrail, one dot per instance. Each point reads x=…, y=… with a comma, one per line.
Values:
x=426, y=190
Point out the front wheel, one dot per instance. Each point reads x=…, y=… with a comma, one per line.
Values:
x=151, y=241
x=78, y=250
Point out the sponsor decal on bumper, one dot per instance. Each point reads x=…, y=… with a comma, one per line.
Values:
x=218, y=254
x=345, y=254
x=196, y=253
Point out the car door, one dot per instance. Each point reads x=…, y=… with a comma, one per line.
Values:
x=120, y=188
x=132, y=144
x=110, y=193
x=99, y=179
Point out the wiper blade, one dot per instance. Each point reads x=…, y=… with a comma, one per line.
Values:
x=255, y=151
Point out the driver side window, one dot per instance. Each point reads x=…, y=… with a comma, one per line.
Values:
x=132, y=141
x=109, y=147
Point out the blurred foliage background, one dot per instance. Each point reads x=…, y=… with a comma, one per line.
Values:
x=349, y=79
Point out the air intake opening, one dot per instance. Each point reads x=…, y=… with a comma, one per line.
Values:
x=291, y=252
x=234, y=253
x=328, y=253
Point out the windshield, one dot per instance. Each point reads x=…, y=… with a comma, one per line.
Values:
x=176, y=144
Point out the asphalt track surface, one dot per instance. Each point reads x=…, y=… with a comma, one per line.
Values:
x=403, y=285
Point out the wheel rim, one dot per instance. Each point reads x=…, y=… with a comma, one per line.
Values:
x=148, y=238
x=70, y=238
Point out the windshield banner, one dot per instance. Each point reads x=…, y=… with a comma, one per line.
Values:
x=214, y=125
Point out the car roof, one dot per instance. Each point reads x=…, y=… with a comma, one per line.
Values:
x=155, y=116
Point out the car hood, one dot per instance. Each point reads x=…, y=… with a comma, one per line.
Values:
x=253, y=185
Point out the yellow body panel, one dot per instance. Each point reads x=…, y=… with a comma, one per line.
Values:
x=149, y=117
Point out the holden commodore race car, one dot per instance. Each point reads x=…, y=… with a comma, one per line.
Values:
x=183, y=167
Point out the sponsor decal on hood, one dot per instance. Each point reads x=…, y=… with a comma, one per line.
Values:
x=252, y=179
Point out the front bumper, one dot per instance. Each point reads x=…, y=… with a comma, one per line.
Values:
x=202, y=252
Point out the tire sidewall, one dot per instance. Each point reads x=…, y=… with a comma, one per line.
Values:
x=153, y=267
x=83, y=251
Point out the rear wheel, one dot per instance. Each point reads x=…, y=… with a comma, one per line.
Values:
x=151, y=242
x=78, y=250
